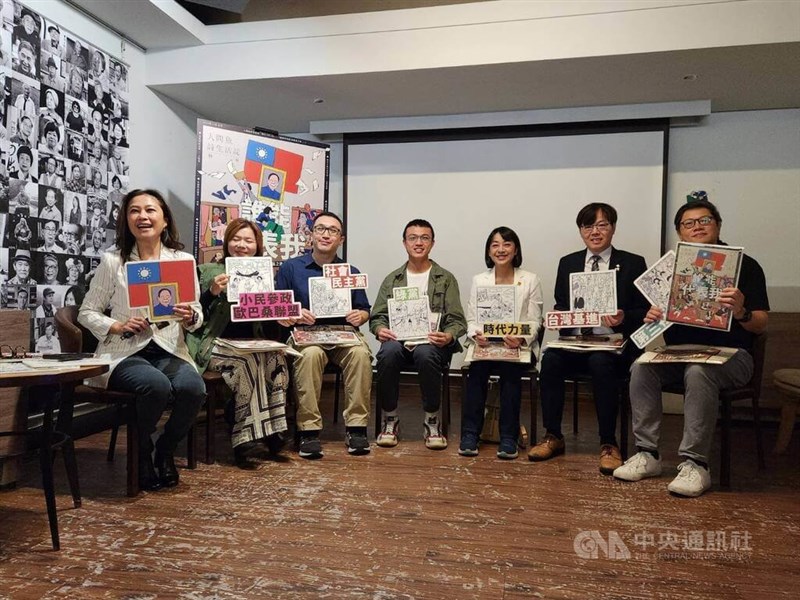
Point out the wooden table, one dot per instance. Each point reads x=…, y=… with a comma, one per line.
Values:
x=46, y=386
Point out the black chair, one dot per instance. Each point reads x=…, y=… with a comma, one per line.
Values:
x=76, y=338
x=578, y=378
x=750, y=391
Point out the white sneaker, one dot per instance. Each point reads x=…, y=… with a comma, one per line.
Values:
x=639, y=466
x=692, y=480
x=387, y=438
x=434, y=440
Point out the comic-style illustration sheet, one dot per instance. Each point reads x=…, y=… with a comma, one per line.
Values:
x=593, y=291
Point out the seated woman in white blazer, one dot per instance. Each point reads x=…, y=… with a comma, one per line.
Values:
x=147, y=360
x=503, y=257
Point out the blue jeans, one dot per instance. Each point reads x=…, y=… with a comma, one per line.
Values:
x=429, y=360
x=156, y=377
x=472, y=410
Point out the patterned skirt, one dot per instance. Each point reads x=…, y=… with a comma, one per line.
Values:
x=259, y=382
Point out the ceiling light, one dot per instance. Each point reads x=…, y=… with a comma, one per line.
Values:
x=319, y=100
x=690, y=77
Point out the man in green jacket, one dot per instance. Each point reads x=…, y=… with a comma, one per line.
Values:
x=441, y=288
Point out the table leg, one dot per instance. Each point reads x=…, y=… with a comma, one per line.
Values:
x=46, y=461
x=64, y=426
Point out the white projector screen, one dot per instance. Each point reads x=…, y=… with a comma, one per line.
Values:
x=535, y=185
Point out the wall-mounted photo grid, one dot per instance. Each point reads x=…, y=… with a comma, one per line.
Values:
x=63, y=164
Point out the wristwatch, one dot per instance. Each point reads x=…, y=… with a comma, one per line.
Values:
x=748, y=314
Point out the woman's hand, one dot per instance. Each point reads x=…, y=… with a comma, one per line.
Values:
x=134, y=325
x=186, y=313
x=219, y=284
x=481, y=339
x=512, y=342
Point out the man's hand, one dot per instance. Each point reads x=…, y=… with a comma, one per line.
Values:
x=613, y=320
x=385, y=334
x=653, y=315
x=733, y=299
x=356, y=317
x=440, y=338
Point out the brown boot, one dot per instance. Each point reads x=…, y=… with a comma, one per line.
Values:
x=610, y=459
x=549, y=447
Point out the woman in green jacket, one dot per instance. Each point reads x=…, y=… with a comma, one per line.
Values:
x=258, y=380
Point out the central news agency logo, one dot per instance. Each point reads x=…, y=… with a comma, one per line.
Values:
x=592, y=544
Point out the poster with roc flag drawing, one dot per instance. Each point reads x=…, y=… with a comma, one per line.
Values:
x=159, y=285
x=278, y=182
x=701, y=272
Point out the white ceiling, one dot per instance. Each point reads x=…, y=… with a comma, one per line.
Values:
x=765, y=76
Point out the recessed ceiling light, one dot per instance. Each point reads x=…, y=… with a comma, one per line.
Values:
x=690, y=77
x=319, y=100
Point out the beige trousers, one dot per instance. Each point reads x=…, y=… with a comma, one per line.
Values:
x=356, y=365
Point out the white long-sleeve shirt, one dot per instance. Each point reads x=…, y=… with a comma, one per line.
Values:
x=109, y=290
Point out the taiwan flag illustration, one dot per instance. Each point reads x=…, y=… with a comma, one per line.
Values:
x=144, y=275
x=261, y=154
x=709, y=258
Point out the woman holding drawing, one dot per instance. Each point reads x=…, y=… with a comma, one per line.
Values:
x=505, y=294
x=151, y=361
x=258, y=380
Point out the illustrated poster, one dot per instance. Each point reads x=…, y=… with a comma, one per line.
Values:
x=702, y=271
x=281, y=183
x=593, y=291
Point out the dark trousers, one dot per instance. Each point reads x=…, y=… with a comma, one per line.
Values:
x=158, y=377
x=472, y=409
x=604, y=369
x=427, y=359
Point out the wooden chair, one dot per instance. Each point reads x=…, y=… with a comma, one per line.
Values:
x=750, y=391
x=75, y=338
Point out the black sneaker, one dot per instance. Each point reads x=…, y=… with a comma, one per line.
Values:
x=310, y=447
x=356, y=442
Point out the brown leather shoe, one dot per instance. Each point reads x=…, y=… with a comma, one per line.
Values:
x=549, y=447
x=610, y=459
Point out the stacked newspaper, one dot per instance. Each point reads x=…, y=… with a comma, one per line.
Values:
x=251, y=346
x=612, y=342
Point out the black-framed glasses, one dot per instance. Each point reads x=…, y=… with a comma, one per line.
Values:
x=600, y=226
x=321, y=230
x=690, y=223
x=7, y=351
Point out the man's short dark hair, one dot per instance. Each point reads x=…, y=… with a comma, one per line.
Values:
x=327, y=213
x=588, y=214
x=696, y=204
x=508, y=235
x=419, y=223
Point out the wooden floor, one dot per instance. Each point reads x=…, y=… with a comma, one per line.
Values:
x=409, y=523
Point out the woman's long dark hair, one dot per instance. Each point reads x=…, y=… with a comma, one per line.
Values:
x=124, y=238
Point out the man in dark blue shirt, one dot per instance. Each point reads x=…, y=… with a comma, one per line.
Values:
x=696, y=222
x=355, y=361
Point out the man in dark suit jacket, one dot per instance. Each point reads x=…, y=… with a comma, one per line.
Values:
x=596, y=224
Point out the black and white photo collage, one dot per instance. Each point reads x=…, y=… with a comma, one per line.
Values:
x=64, y=162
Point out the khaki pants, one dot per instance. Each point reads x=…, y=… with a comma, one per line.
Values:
x=356, y=365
